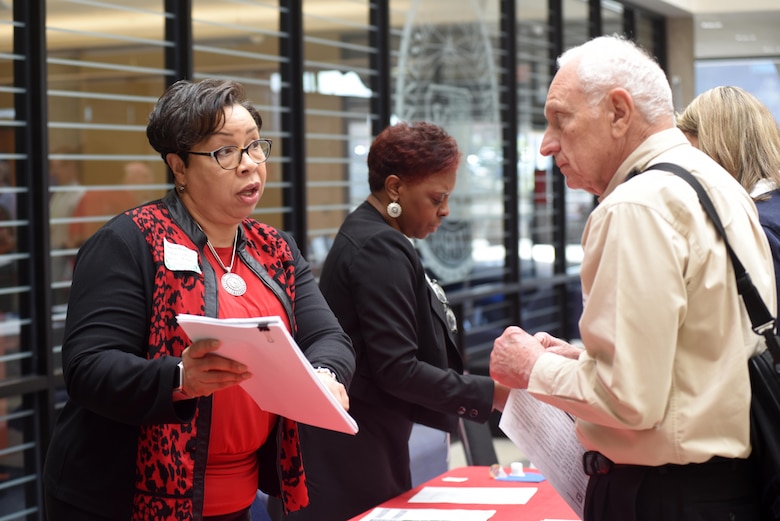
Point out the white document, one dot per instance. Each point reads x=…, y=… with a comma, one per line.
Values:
x=545, y=434
x=283, y=381
x=475, y=495
x=427, y=514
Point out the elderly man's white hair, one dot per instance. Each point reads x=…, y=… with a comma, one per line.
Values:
x=607, y=62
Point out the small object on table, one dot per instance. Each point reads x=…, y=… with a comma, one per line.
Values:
x=516, y=473
x=516, y=469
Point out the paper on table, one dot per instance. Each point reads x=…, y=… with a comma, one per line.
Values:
x=545, y=434
x=474, y=495
x=283, y=382
x=427, y=514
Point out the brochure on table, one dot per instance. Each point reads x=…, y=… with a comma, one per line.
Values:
x=283, y=381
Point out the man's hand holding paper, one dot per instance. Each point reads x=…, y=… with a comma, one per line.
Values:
x=513, y=357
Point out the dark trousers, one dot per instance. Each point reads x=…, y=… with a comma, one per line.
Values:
x=720, y=489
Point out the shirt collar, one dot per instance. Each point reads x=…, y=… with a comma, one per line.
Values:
x=642, y=155
x=762, y=187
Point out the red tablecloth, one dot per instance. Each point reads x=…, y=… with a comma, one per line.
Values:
x=545, y=504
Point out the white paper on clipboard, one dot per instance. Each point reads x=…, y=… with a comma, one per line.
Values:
x=283, y=381
x=547, y=437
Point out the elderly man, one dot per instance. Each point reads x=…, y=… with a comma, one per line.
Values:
x=661, y=390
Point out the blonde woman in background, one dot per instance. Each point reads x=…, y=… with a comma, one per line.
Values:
x=738, y=131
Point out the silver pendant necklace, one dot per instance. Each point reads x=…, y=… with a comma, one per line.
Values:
x=231, y=282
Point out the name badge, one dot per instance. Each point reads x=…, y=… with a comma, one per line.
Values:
x=180, y=258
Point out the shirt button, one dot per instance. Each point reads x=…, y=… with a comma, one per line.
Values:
x=474, y=413
x=461, y=410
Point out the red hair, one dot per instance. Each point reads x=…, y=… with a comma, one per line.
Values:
x=412, y=151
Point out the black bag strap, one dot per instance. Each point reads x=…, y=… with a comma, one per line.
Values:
x=760, y=318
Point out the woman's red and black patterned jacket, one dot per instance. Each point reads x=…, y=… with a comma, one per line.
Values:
x=121, y=447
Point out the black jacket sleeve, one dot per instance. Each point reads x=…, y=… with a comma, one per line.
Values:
x=104, y=352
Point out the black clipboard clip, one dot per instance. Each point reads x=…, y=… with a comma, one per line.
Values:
x=263, y=326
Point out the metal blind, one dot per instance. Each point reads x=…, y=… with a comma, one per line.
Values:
x=105, y=69
x=337, y=76
x=543, y=237
x=17, y=441
x=242, y=41
x=576, y=16
x=447, y=69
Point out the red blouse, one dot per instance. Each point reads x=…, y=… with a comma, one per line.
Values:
x=238, y=426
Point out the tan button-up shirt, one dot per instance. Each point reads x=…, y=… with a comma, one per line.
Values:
x=663, y=378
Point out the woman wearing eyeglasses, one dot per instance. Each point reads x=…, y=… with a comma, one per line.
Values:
x=408, y=365
x=156, y=426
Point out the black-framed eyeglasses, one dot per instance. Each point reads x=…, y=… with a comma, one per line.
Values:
x=452, y=321
x=229, y=157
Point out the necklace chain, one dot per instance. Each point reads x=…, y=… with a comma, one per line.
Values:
x=232, y=258
x=231, y=282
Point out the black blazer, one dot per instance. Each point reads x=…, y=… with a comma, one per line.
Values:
x=407, y=370
x=407, y=359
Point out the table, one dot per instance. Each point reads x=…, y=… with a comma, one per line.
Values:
x=545, y=504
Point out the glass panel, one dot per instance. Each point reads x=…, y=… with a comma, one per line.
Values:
x=645, y=31
x=759, y=76
x=18, y=440
x=536, y=195
x=446, y=71
x=538, y=198
x=241, y=41
x=576, y=22
x=446, y=63
x=18, y=473
x=105, y=71
x=12, y=191
x=611, y=17
x=337, y=79
x=578, y=202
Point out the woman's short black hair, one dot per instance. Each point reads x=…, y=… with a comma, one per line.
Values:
x=189, y=112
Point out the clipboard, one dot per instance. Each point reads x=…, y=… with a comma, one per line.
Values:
x=283, y=381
